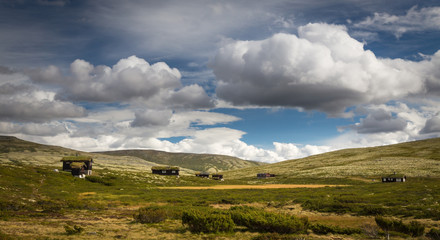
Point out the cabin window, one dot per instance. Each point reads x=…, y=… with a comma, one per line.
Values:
x=163, y=171
x=173, y=171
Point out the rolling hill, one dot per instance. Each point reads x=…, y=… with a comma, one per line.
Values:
x=198, y=162
x=418, y=158
x=17, y=151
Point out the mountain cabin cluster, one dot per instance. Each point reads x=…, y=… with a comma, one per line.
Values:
x=81, y=166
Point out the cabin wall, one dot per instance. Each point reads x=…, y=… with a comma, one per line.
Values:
x=393, y=179
x=166, y=172
x=67, y=166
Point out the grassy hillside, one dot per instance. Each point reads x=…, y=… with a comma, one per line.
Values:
x=14, y=150
x=39, y=203
x=198, y=162
x=17, y=151
x=418, y=158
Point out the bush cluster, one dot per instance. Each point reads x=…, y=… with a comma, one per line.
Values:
x=50, y=206
x=73, y=230
x=433, y=234
x=262, y=221
x=151, y=214
x=414, y=228
x=326, y=206
x=207, y=222
x=325, y=229
x=107, y=180
x=276, y=236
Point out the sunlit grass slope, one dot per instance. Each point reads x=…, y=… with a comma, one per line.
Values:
x=17, y=151
x=418, y=158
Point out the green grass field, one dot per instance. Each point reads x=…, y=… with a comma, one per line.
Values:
x=37, y=202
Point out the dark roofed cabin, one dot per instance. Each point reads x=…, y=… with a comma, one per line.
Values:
x=202, y=174
x=165, y=170
x=217, y=176
x=265, y=175
x=78, y=165
x=394, y=178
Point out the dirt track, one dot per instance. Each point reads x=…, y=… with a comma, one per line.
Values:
x=265, y=186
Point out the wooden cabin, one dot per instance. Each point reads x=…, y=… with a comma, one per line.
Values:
x=265, y=175
x=394, y=178
x=165, y=170
x=202, y=174
x=78, y=165
x=217, y=176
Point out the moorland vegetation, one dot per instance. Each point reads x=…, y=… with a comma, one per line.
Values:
x=37, y=202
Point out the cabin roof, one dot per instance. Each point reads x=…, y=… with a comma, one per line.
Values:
x=76, y=165
x=165, y=168
x=76, y=159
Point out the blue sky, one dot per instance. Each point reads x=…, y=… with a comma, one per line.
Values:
x=260, y=80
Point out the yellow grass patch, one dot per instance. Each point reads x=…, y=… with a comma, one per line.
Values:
x=265, y=186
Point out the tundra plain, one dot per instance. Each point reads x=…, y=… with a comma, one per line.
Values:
x=37, y=202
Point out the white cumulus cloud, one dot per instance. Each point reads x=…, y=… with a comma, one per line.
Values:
x=130, y=80
x=322, y=68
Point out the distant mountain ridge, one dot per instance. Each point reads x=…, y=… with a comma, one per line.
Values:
x=198, y=162
x=417, y=158
x=17, y=151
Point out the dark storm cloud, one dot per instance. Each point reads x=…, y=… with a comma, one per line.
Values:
x=152, y=118
x=11, y=89
x=330, y=99
x=22, y=101
x=379, y=121
x=5, y=70
x=32, y=129
x=432, y=126
x=31, y=110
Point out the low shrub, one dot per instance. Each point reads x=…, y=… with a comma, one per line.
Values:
x=414, y=228
x=326, y=229
x=207, y=222
x=276, y=236
x=8, y=205
x=370, y=230
x=50, y=206
x=371, y=210
x=151, y=214
x=4, y=236
x=262, y=221
x=73, y=230
x=327, y=206
x=107, y=180
x=433, y=234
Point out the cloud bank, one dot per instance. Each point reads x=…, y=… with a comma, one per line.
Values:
x=322, y=68
x=137, y=104
x=130, y=80
x=415, y=20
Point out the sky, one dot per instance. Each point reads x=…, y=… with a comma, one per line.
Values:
x=259, y=80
